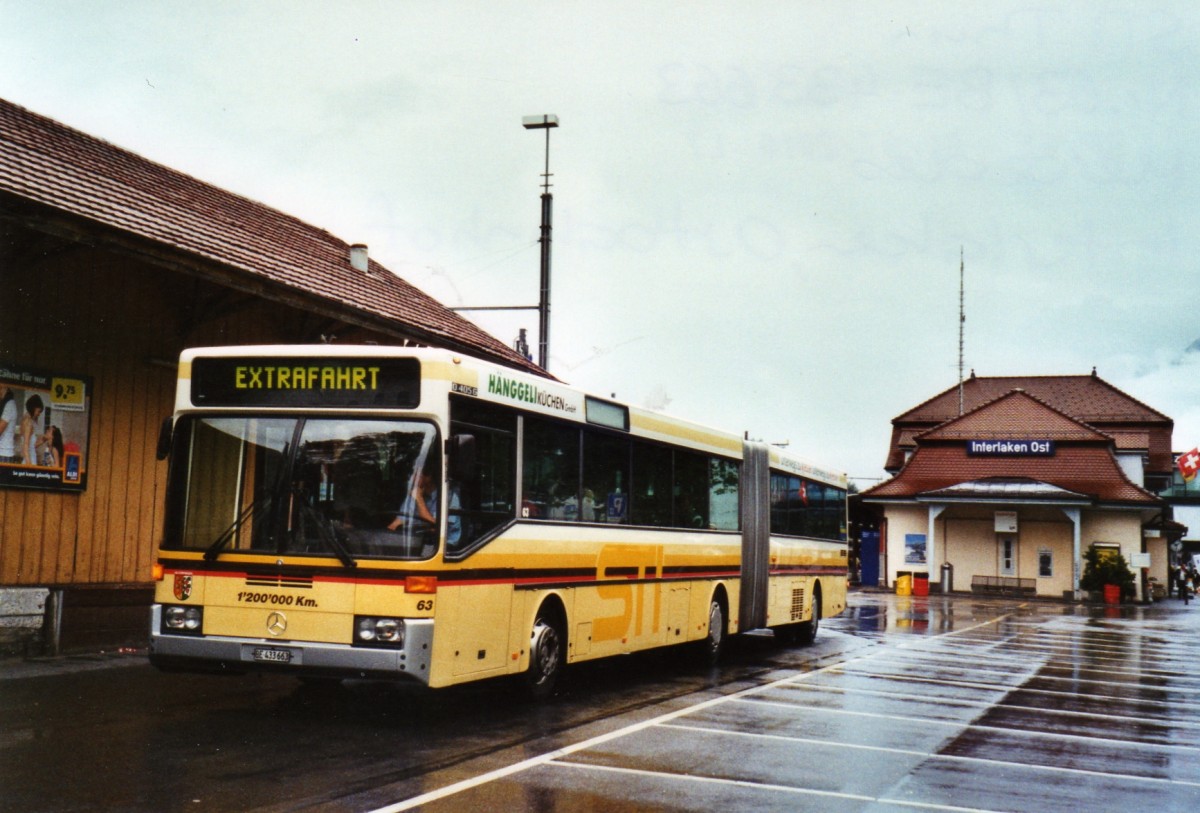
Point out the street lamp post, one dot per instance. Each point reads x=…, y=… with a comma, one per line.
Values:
x=544, y=122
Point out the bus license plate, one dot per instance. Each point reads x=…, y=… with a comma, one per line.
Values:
x=270, y=655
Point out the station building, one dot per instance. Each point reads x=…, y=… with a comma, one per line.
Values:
x=1002, y=484
x=110, y=265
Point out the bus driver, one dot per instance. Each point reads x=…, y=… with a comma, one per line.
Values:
x=420, y=504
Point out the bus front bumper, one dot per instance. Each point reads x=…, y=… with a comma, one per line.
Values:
x=215, y=653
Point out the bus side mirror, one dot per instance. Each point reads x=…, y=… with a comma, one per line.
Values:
x=164, y=438
x=460, y=449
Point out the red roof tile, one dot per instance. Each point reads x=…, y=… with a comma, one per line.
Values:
x=1015, y=415
x=1083, y=461
x=1084, y=469
x=48, y=163
x=1130, y=440
x=1086, y=398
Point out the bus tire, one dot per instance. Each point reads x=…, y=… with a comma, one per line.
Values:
x=547, y=654
x=808, y=630
x=714, y=641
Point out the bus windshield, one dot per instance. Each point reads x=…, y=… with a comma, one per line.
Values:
x=344, y=487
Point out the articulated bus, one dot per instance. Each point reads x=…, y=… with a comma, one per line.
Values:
x=373, y=512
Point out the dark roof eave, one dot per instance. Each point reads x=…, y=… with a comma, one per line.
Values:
x=85, y=231
x=1053, y=501
x=921, y=499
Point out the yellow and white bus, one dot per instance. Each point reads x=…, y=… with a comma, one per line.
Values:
x=363, y=511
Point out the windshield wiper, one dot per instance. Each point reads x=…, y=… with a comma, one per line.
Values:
x=214, y=550
x=327, y=534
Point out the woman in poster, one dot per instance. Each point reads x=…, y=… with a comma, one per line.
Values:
x=50, y=448
x=8, y=426
x=29, y=434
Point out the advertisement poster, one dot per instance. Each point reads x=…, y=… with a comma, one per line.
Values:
x=44, y=422
x=914, y=549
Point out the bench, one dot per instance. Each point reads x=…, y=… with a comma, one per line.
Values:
x=1003, y=585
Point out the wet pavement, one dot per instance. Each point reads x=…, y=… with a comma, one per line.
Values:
x=903, y=703
x=961, y=704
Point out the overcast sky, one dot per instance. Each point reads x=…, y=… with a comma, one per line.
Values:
x=759, y=207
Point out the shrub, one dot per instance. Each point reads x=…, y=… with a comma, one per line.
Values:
x=1106, y=566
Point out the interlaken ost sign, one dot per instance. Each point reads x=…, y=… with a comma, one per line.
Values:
x=1011, y=448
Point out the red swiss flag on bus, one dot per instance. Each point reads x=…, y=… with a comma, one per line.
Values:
x=1189, y=464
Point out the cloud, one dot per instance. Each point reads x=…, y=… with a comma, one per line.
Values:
x=758, y=208
x=1168, y=382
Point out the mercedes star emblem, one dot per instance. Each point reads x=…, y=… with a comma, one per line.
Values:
x=277, y=623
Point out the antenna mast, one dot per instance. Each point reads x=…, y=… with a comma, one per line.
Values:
x=962, y=319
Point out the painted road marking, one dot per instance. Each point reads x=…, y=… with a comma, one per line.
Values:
x=931, y=647
x=544, y=759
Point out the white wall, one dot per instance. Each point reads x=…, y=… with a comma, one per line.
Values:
x=966, y=537
x=1134, y=466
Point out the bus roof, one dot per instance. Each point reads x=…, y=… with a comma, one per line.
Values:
x=473, y=377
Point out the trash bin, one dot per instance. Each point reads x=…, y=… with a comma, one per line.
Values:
x=920, y=585
x=947, y=578
x=1112, y=594
x=903, y=584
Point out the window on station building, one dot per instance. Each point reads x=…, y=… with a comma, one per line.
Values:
x=1045, y=563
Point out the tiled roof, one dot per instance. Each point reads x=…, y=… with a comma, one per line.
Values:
x=1130, y=440
x=48, y=163
x=1083, y=469
x=1088, y=398
x=1015, y=415
x=1083, y=462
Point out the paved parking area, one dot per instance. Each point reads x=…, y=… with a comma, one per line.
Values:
x=951, y=704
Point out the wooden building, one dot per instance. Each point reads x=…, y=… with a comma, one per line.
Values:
x=110, y=264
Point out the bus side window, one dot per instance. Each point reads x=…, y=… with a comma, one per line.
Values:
x=691, y=488
x=551, y=457
x=605, y=478
x=723, y=494
x=651, y=485
x=481, y=490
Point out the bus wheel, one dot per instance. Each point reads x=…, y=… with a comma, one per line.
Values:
x=546, y=655
x=808, y=630
x=714, y=643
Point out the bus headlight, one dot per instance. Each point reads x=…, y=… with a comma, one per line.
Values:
x=183, y=619
x=370, y=630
